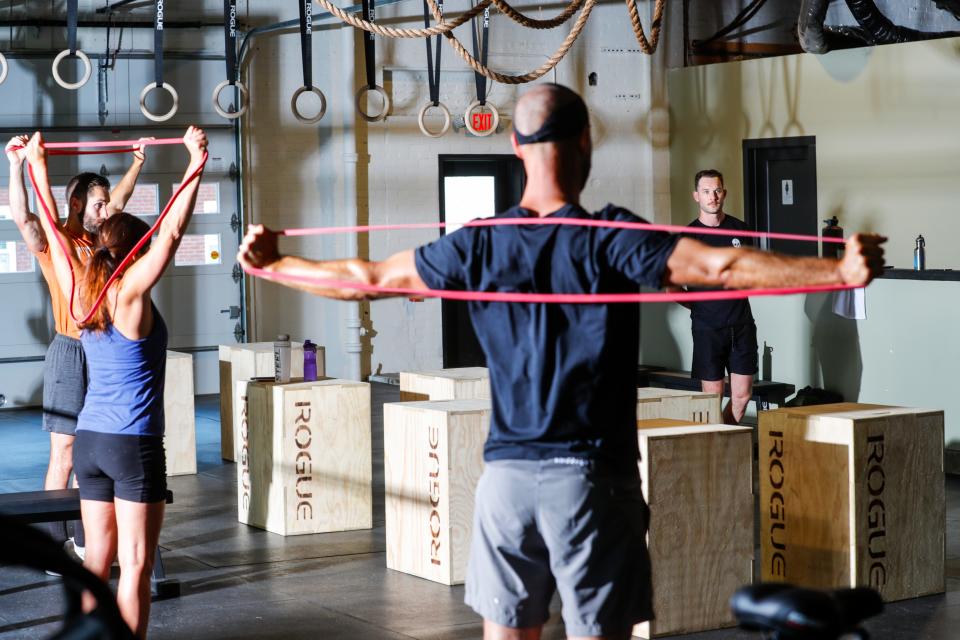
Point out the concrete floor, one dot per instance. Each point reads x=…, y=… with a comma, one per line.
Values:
x=239, y=582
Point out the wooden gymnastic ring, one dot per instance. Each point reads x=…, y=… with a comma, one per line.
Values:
x=386, y=103
x=446, y=120
x=88, y=69
x=169, y=114
x=296, y=111
x=244, y=100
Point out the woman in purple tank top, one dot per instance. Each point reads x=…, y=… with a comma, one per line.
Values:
x=118, y=453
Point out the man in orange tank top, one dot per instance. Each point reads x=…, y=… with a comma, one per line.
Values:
x=90, y=202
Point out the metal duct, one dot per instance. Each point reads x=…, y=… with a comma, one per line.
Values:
x=810, y=26
x=874, y=27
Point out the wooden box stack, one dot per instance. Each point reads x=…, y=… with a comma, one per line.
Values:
x=305, y=464
x=180, y=427
x=697, y=481
x=692, y=406
x=853, y=495
x=433, y=458
x=246, y=361
x=445, y=384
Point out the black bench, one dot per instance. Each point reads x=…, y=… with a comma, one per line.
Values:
x=765, y=392
x=31, y=507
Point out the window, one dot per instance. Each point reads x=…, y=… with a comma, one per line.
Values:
x=144, y=200
x=208, y=197
x=198, y=250
x=15, y=257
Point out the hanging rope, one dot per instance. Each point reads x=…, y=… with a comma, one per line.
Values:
x=540, y=71
x=393, y=32
x=533, y=23
x=648, y=47
x=445, y=28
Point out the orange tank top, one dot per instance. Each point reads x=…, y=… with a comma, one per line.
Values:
x=59, y=299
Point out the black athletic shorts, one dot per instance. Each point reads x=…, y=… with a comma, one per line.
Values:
x=110, y=465
x=64, y=384
x=716, y=351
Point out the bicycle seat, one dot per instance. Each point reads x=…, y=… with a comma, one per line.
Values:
x=794, y=613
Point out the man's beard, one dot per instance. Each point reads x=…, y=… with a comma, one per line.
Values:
x=91, y=224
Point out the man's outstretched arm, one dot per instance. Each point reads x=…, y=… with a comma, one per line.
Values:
x=121, y=193
x=260, y=250
x=693, y=263
x=28, y=223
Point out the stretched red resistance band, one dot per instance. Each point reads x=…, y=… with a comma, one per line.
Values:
x=60, y=148
x=555, y=298
x=573, y=222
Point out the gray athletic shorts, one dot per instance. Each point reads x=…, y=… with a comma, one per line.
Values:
x=560, y=524
x=64, y=384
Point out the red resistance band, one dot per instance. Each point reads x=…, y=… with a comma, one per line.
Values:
x=104, y=146
x=555, y=298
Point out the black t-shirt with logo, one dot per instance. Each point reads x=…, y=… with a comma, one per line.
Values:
x=721, y=313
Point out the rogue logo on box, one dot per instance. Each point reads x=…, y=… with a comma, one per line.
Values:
x=433, y=436
x=876, y=512
x=778, y=515
x=244, y=454
x=303, y=437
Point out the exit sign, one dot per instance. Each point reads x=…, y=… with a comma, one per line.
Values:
x=482, y=121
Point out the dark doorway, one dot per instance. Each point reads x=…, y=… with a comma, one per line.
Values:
x=780, y=190
x=472, y=186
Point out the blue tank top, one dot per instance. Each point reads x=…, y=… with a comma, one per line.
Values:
x=125, y=390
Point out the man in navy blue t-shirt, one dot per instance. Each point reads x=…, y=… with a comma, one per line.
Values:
x=559, y=506
x=724, y=333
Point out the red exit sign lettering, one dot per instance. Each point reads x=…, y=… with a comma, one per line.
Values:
x=482, y=121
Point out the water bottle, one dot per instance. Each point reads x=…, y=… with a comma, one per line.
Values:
x=309, y=361
x=920, y=255
x=281, y=358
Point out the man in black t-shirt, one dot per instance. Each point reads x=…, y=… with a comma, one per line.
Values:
x=724, y=334
x=559, y=507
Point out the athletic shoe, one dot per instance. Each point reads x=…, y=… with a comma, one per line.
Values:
x=75, y=551
x=76, y=554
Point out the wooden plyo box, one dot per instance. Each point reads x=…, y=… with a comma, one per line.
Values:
x=445, y=384
x=246, y=361
x=692, y=406
x=433, y=458
x=306, y=465
x=853, y=495
x=697, y=480
x=180, y=426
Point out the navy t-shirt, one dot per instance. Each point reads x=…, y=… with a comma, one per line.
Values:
x=721, y=314
x=562, y=376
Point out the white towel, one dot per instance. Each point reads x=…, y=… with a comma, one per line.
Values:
x=850, y=303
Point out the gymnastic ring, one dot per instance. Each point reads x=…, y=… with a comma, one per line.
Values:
x=386, y=103
x=3, y=64
x=244, y=100
x=87, y=70
x=446, y=120
x=169, y=114
x=296, y=112
x=493, y=127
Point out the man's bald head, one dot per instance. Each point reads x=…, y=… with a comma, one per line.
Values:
x=551, y=134
x=536, y=106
